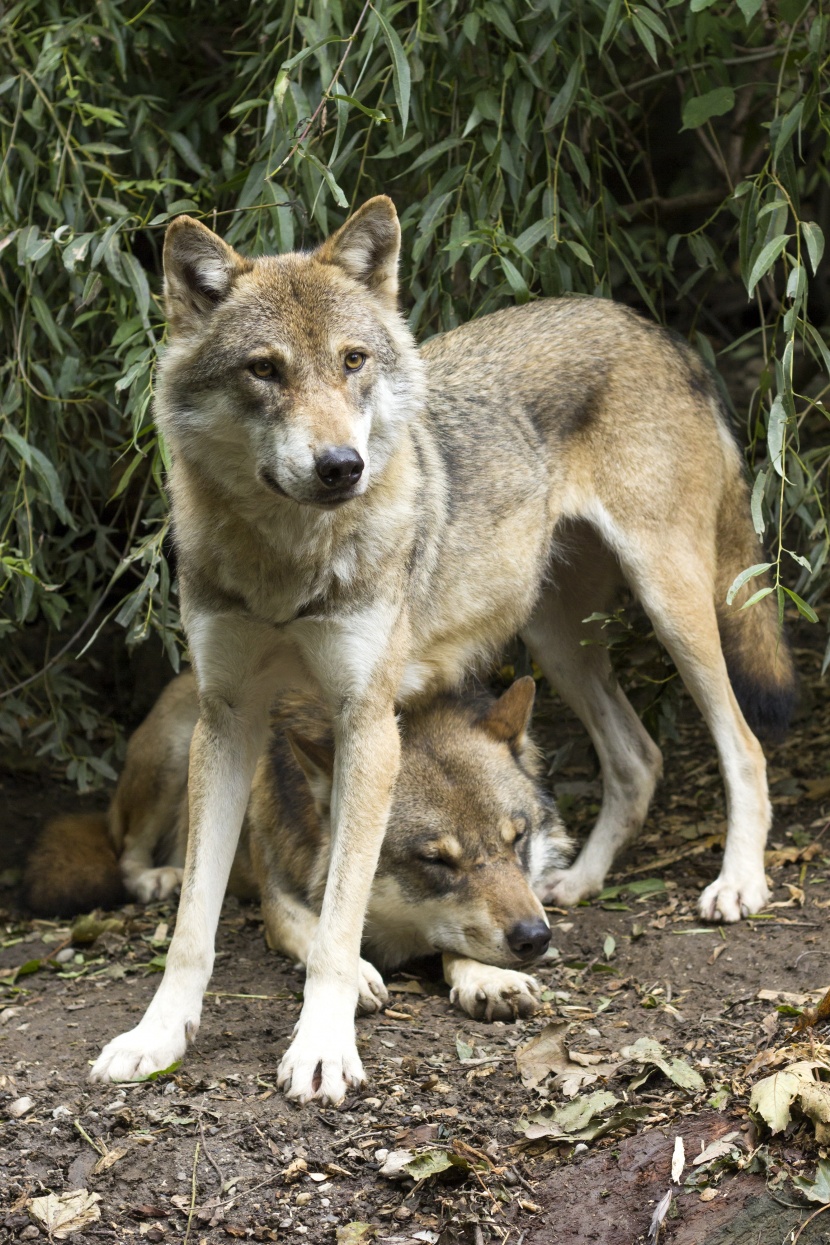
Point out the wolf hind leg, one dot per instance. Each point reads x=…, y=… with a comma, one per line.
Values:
x=679, y=597
x=630, y=761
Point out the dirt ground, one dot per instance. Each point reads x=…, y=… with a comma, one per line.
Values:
x=213, y=1152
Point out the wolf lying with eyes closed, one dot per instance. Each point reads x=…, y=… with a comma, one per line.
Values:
x=470, y=835
x=374, y=521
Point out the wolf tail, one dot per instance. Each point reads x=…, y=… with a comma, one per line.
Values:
x=757, y=654
x=73, y=867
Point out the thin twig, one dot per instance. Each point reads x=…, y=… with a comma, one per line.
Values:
x=192, y=1194
x=324, y=98
x=98, y=1147
x=208, y=1154
x=809, y=1220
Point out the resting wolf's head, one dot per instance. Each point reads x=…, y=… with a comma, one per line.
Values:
x=470, y=834
x=288, y=374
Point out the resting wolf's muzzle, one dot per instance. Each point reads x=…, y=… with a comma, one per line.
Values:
x=529, y=939
x=339, y=467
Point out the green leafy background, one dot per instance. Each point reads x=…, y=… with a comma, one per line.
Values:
x=673, y=155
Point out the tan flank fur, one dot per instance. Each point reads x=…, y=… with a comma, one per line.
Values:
x=470, y=836
x=373, y=521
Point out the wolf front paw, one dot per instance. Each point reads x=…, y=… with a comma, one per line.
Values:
x=372, y=993
x=563, y=888
x=488, y=993
x=146, y=1049
x=155, y=884
x=728, y=900
x=322, y=1067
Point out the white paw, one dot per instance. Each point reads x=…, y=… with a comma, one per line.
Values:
x=727, y=900
x=372, y=993
x=563, y=888
x=488, y=993
x=322, y=1065
x=154, y=884
x=147, y=1048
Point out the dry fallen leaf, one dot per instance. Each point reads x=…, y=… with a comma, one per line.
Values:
x=573, y=1117
x=394, y=1165
x=108, y=1160
x=765, y=1059
x=715, y=1150
x=678, y=1160
x=787, y=996
x=646, y=1051
x=583, y=1059
x=295, y=1171
x=355, y=1233
x=20, y=1106
x=815, y=1016
x=817, y=788
x=769, y=1024
x=660, y=1212
x=773, y=1097
x=543, y=1054
x=791, y=855
x=817, y=1189
x=63, y=1214
x=573, y=1078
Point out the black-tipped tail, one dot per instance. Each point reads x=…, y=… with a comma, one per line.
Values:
x=767, y=707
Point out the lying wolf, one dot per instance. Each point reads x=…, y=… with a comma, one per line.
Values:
x=470, y=835
x=374, y=521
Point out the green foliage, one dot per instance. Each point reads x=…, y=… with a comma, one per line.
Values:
x=670, y=154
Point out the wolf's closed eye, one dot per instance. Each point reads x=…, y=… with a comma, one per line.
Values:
x=429, y=858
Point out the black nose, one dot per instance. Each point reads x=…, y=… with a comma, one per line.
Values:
x=339, y=467
x=529, y=939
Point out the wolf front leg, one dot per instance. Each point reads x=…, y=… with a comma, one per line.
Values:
x=322, y=1061
x=290, y=926
x=237, y=673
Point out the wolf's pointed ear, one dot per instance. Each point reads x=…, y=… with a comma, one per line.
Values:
x=199, y=270
x=508, y=719
x=317, y=763
x=367, y=248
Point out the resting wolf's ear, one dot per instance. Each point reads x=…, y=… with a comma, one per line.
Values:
x=367, y=248
x=508, y=719
x=317, y=763
x=199, y=271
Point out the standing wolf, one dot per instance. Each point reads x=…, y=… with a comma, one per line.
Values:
x=375, y=521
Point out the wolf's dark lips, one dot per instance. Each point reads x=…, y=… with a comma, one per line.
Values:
x=324, y=501
x=331, y=503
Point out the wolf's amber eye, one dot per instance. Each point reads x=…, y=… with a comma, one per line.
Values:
x=263, y=369
x=354, y=360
